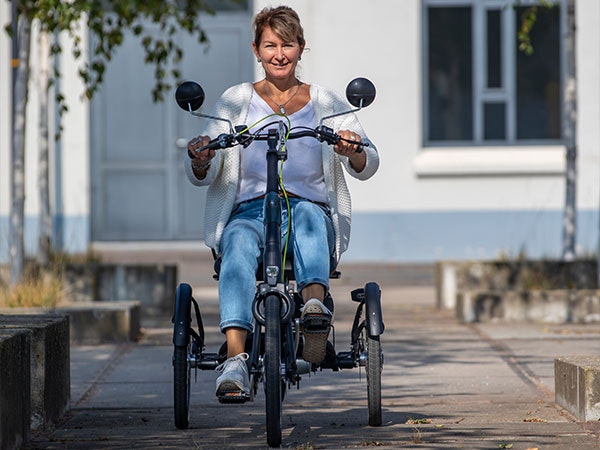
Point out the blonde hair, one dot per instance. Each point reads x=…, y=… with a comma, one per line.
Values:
x=284, y=22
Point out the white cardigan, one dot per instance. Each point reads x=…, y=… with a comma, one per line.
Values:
x=223, y=174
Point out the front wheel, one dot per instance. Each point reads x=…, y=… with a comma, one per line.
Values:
x=272, y=366
x=181, y=386
x=374, y=366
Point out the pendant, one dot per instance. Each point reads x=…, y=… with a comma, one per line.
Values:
x=282, y=109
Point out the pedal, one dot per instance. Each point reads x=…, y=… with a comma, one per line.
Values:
x=316, y=324
x=233, y=397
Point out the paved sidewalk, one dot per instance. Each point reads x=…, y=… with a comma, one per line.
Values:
x=446, y=385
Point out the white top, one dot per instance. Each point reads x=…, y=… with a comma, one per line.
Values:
x=302, y=171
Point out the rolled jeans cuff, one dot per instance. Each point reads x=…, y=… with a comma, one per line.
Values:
x=236, y=324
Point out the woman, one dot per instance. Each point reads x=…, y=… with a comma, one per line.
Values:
x=312, y=175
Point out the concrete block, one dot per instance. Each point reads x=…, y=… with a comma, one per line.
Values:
x=50, y=364
x=15, y=389
x=577, y=386
x=104, y=322
x=93, y=323
x=152, y=284
x=545, y=306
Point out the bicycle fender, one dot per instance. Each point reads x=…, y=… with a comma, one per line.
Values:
x=183, y=315
x=374, y=314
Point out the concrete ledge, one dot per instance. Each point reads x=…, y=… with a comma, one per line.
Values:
x=93, y=323
x=577, y=386
x=152, y=284
x=50, y=364
x=546, y=306
x=454, y=277
x=15, y=390
x=103, y=322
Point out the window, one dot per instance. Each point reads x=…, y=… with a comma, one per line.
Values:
x=480, y=88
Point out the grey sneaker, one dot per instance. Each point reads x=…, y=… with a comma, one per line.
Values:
x=316, y=323
x=234, y=376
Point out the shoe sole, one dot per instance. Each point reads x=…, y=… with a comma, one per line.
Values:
x=233, y=397
x=229, y=386
x=315, y=339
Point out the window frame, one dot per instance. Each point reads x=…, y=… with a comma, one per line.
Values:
x=481, y=95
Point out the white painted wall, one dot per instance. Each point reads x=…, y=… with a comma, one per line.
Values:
x=74, y=145
x=588, y=103
x=379, y=39
x=383, y=43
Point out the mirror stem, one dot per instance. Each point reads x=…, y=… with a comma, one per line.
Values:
x=206, y=116
x=340, y=114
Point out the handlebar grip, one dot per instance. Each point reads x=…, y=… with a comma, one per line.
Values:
x=328, y=135
x=221, y=141
x=361, y=146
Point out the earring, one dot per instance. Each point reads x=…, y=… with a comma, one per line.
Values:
x=258, y=60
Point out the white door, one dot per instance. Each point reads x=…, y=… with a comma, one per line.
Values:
x=139, y=189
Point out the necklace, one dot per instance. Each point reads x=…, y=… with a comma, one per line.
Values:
x=281, y=106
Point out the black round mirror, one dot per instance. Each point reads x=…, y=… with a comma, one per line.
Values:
x=189, y=96
x=360, y=92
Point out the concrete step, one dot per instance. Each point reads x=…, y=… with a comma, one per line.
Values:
x=546, y=306
x=93, y=323
x=577, y=386
x=50, y=371
x=15, y=391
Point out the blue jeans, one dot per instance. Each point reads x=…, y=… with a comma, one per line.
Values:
x=311, y=242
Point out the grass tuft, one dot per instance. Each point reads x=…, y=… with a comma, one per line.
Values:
x=41, y=289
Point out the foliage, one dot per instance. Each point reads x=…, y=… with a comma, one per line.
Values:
x=43, y=286
x=44, y=289
x=528, y=19
x=109, y=21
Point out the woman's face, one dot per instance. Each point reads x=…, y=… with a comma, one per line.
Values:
x=278, y=57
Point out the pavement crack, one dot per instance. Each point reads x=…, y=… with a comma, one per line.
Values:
x=522, y=371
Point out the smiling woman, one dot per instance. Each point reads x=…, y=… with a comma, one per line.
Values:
x=317, y=197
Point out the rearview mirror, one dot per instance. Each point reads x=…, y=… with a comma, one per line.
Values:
x=360, y=92
x=189, y=96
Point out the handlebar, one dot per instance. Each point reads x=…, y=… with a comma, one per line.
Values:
x=243, y=137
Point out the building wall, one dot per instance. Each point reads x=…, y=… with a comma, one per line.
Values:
x=427, y=203
x=69, y=164
x=424, y=203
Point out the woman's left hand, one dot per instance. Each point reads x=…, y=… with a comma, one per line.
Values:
x=349, y=149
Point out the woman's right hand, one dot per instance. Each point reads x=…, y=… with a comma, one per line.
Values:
x=203, y=156
x=200, y=159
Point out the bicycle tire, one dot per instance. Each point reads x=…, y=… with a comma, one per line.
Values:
x=272, y=367
x=181, y=387
x=373, y=368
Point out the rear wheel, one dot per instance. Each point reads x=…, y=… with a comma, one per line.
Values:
x=181, y=386
x=272, y=365
x=373, y=366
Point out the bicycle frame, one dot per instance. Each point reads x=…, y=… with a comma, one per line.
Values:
x=274, y=281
